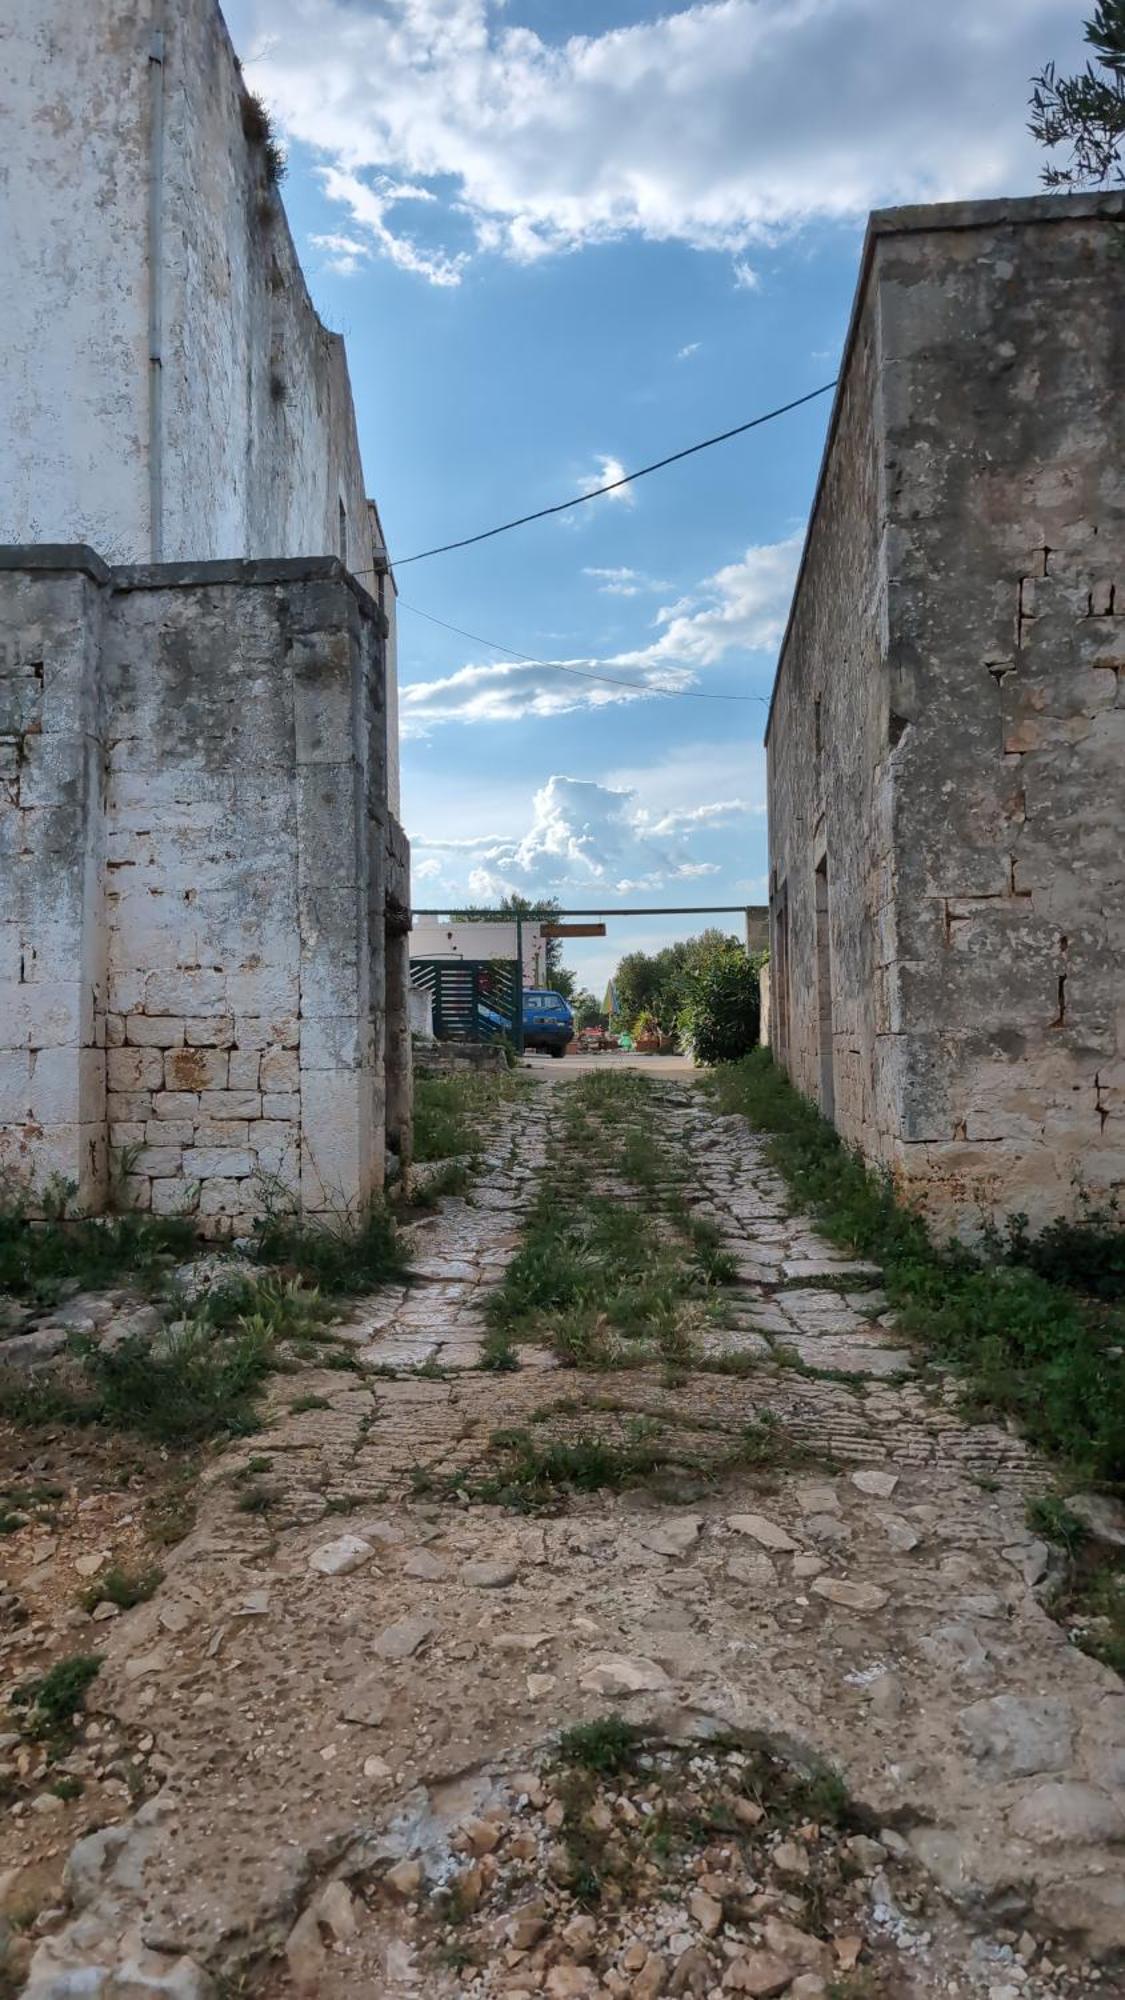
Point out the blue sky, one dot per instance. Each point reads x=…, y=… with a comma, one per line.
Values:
x=561, y=237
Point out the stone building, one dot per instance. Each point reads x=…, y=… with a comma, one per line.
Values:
x=204, y=888
x=946, y=741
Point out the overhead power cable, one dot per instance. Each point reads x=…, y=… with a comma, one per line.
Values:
x=613, y=485
x=583, y=673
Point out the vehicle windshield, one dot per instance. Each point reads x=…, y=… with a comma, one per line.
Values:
x=545, y=1003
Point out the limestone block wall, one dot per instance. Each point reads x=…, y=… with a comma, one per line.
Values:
x=971, y=767
x=216, y=867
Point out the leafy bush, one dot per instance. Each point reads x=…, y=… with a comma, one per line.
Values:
x=122, y=1587
x=657, y=983
x=1088, y=1253
x=722, y=1014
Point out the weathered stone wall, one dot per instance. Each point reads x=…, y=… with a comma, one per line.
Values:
x=194, y=921
x=828, y=793
x=971, y=715
x=253, y=429
x=52, y=848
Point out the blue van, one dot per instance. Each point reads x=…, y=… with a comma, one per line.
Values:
x=548, y=1023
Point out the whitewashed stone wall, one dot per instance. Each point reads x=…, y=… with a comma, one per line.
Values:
x=256, y=436
x=947, y=739
x=200, y=872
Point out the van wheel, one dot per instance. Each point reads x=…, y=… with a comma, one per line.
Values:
x=558, y=1052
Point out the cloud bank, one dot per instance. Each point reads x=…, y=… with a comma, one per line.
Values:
x=739, y=609
x=584, y=836
x=717, y=125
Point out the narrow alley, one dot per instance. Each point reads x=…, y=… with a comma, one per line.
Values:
x=774, y=1549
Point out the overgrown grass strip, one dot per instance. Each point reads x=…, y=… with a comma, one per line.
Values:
x=607, y=1280
x=1028, y=1322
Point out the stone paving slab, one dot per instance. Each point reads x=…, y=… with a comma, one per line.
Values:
x=873, y=1599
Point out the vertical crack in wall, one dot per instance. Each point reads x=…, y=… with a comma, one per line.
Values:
x=1060, y=1018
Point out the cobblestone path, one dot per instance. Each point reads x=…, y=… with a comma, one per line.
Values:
x=332, y=1686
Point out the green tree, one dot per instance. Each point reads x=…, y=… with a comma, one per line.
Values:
x=722, y=1012
x=1086, y=112
x=657, y=982
x=587, y=1013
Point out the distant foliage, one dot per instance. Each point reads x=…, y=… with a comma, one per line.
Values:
x=587, y=1013
x=656, y=984
x=722, y=1014
x=1086, y=112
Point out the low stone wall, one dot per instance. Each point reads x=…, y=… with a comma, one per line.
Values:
x=445, y=1058
x=200, y=875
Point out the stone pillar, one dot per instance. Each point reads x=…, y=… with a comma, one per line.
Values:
x=193, y=883
x=52, y=978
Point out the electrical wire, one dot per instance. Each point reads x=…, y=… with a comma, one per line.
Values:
x=583, y=673
x=580, y=499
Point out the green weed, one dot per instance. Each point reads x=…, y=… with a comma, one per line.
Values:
x=607, y=1746
x=1050, y=1517
x=343, y=1257
x=122, y=1587
x=51, y=1703
x=1096, y=1612
x=1029, y=1347
x=451, y=1113
x=607, y=1283
x=42, y=1258
x=454, y=1178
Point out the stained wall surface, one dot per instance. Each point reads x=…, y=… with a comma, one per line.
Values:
x=168, y=391
x=947, y=738
x=194, y=897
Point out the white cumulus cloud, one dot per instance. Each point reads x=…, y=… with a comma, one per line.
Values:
x=583, y=835
x=717, y=124
x=740, y=609
x=610, y=472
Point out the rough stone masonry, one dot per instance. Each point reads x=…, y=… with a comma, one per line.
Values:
x=200, y=875
x=204, y=892
x=947, y=737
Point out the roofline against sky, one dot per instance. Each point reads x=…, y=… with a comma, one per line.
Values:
x=917, y=219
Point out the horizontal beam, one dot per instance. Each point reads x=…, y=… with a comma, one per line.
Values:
x=649, y=910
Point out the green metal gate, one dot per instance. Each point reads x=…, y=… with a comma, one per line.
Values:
x=474, y=999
